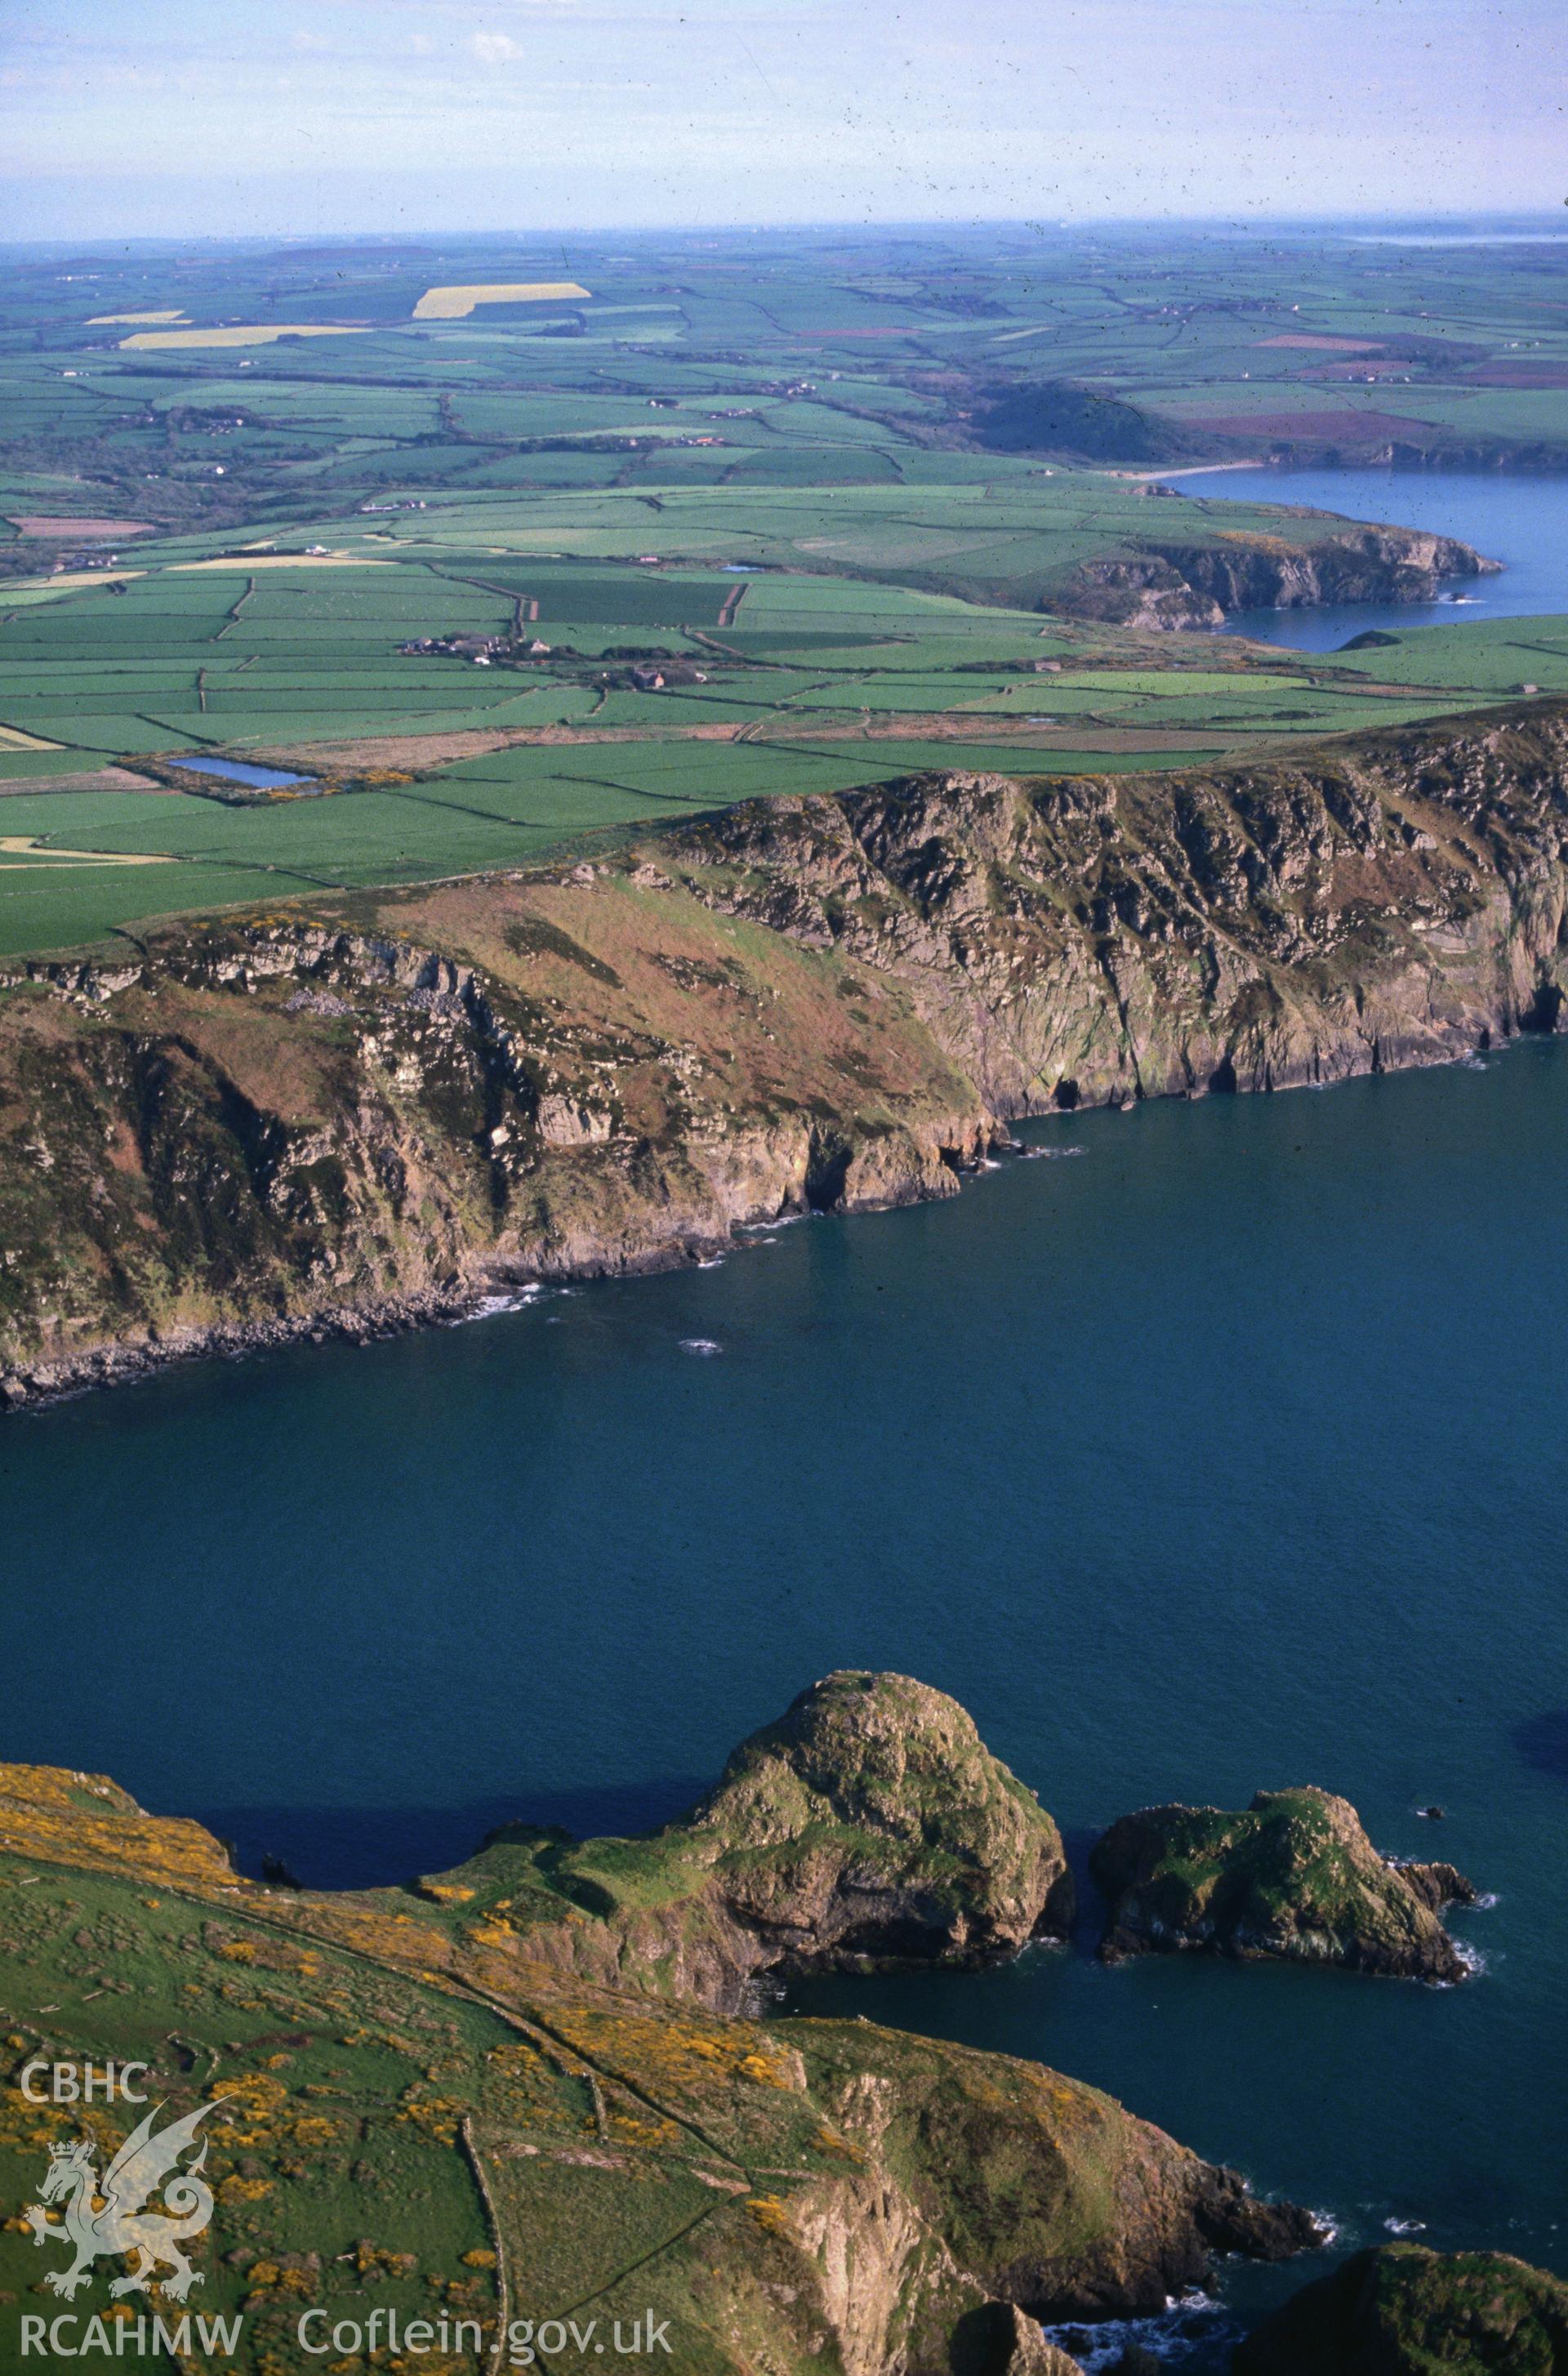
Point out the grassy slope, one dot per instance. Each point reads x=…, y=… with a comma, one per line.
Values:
x=420, y=2118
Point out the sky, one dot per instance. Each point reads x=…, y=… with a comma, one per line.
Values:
x=164, y=118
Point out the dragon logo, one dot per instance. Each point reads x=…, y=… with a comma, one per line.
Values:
x=122, y=2223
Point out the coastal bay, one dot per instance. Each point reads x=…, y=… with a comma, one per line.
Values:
x=1518, y=518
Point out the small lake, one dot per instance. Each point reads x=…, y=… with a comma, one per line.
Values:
x=1518, y=518
x=241, y=771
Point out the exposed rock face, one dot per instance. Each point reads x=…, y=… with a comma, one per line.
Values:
x=794, y=2195
x=1404, y=2312
x=1438, y=1885
x=1022, y=2349
x=1399, y=899
x=1100, y=2216
x=869, y=1826
x=348, y=1119
x=288, y=1129
x=1294, y=1876
x=1179, y=585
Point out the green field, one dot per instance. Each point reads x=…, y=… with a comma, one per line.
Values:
x=832, y=682
x=838, y=489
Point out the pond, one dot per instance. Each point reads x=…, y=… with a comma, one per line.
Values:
x=241, y=771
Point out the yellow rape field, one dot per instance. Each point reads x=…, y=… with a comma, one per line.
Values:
x=450, y=304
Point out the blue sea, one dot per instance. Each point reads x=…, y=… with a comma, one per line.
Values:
x=1210, y=1448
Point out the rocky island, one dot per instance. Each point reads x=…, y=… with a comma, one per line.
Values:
x=356, y=1112
x=1402, y=2311
x=486, y=2128
x=1293, y=1875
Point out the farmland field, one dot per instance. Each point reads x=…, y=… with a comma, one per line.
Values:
x=506, y=549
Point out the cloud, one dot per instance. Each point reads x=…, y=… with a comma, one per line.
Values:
x=495, y=49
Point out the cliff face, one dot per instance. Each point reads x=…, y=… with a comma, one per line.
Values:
x=268, y=1129
x=1394, y=900
x=348, y=1116
x=1169, y=582
x=512, y=2143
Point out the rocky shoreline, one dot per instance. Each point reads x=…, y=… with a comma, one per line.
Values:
x=358, y=1116
x=1172, y=584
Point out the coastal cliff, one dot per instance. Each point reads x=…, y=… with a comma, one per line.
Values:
x=1172, y=583
x=479, y=2133
x=355, y=1113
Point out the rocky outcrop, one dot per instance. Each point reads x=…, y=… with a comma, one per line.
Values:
x=1438, y=1885
x=1178, y=584
x=351, y=1115
x=526, y=2145
x=1020, y=2348
x=1402, y=2311
x=868, y=1827
x=1294, y=1876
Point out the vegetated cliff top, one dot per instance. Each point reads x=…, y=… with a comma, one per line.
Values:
x=1293, y=1876
x=477, y=2132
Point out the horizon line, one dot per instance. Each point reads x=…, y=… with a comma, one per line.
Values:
x=942, y=224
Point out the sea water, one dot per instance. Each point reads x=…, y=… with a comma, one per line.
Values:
x=1229, y=1453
